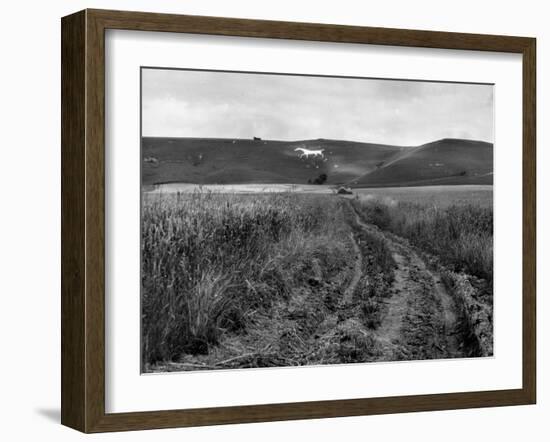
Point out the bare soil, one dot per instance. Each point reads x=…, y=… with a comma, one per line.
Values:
x=421, y=319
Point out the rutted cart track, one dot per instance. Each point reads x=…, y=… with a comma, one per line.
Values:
x=420, y=318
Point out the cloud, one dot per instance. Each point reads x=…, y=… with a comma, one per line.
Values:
x=183, y=103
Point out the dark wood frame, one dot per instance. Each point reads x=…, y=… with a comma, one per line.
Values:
x=83, y=216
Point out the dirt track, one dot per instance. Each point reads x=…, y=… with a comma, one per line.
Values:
x=420, y=320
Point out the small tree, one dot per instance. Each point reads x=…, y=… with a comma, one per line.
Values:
x=321, y=179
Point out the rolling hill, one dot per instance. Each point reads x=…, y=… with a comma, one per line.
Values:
x=245, y=161
x=446, y=161
x=240, y=161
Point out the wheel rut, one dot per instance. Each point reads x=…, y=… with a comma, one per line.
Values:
x=417, y=292
x=357, y=271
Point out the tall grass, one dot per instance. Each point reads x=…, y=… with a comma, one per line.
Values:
x=210, y=260
x=461, y=235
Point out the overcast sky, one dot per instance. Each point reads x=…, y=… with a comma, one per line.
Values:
x=179, y=103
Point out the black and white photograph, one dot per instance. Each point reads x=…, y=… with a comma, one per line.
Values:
x=270, y=221
x=303, y=220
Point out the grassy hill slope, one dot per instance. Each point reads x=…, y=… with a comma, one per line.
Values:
x=244, y=161
x=446, y=161
x=240, y=161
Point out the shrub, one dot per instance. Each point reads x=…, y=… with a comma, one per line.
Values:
x=321, y=179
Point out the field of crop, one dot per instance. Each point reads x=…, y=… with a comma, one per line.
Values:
x=285, y=279
x=457, y=233
x=460, y=235
x=436, y=196
x=216, y=267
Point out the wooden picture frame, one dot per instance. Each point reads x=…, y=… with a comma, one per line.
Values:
x=83, y=220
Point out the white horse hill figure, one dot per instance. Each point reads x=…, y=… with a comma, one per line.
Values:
x=307, y=152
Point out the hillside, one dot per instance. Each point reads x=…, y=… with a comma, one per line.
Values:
x=446, y=161
x=240, y=161
x=245, y=161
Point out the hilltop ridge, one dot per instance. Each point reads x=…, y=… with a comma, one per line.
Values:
x=359, y=164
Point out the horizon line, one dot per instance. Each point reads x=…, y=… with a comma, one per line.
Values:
x=318, y=139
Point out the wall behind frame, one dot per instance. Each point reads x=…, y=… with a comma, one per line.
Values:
x=30, y=221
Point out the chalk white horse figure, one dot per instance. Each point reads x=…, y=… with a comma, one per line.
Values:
x=307, y=152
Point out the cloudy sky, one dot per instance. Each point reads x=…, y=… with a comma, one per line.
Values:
x=180, y=103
